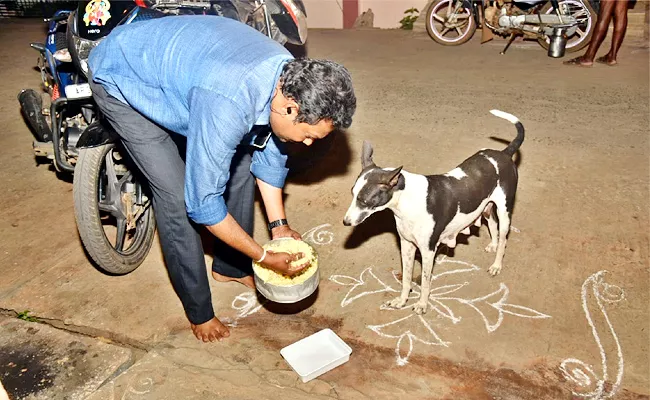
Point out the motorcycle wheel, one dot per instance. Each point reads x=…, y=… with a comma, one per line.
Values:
x=442, y=21
x=100, y=175
x=586, y=16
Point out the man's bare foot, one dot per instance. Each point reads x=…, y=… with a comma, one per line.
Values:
x=579, y=61
x=606, y=59
x=247, y=281
x=210, y=331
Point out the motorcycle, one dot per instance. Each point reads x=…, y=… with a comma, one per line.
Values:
x=557, y=25
x=284, y=21
x=113, y=210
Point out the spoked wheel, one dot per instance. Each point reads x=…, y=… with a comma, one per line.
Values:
x=586, y=17
x=114, y=216
x=449, y=23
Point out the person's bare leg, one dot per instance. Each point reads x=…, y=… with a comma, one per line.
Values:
x=600, y=31
x=246, y=280
x=620, y=27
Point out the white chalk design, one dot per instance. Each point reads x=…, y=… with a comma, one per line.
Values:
x=245, y=304
x=139, y=385
x=413, y=328
x=402, y=358
x=579, y=372
x=358, y=284
x=318, y=235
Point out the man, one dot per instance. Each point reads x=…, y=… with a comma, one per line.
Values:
x=608, y=9
x=220, y=84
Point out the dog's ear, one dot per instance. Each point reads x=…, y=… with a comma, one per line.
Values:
x=393, y=176
x=366, y=155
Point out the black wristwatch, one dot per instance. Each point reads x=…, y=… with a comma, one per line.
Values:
x=276, y=223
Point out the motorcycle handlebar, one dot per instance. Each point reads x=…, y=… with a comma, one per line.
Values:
x=57, y=18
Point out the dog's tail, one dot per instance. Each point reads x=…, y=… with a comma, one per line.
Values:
x=515, y=144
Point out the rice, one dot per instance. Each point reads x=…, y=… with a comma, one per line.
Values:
x=290, y=246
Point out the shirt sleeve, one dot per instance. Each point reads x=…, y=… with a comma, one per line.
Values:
x=269, y=165
x=216, y=126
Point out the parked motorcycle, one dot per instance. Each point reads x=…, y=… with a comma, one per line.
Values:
x=558, y=25
x=113, y=210
x=284, y=21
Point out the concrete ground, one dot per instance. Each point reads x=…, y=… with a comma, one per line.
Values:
x=552, y=325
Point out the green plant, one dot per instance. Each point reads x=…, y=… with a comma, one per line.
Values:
x=410, y=18
x=26, y=317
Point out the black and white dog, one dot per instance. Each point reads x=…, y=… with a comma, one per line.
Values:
x=434, y=209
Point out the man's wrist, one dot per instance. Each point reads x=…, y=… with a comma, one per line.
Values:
x=277, y=223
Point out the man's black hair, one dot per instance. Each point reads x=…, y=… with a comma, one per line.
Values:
x=322, y=89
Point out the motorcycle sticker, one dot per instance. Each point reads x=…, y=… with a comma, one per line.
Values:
x=97, y=13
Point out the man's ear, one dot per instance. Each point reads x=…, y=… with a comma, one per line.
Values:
x=285, y=105
x=291, y=108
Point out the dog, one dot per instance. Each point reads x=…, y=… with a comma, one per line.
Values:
x=433, y=209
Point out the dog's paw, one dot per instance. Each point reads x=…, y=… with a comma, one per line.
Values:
x=420, y=308
x=495, y=269
x=491, y=248
x=394, y=304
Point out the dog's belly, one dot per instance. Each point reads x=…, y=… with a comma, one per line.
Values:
x=459, y=223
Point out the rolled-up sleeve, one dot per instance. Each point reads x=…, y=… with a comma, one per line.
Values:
x=215, y=127
x=269, y=165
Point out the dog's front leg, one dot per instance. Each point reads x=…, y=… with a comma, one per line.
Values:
x=408, y=259
x=428, y=258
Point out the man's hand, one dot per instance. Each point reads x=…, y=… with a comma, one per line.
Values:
x=281, y=263
x=285, y=231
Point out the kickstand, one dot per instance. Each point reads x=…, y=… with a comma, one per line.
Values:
x=510, y=40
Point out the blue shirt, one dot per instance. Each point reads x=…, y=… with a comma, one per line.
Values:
x=205, y=77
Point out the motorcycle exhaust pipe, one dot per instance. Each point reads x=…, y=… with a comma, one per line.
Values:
x=32, y=108
x=557, y=44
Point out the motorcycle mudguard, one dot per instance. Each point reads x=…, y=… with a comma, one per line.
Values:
x=95, y=135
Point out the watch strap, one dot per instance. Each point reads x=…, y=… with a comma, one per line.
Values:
x=277, y=222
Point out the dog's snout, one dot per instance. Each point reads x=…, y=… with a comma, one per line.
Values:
x=346, y=222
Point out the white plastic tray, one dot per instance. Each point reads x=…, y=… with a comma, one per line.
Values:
x=316, y=354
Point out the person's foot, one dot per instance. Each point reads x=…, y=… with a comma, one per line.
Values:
x=607, y=60
x=579, y=61
x=210, y=331
x=247, y=281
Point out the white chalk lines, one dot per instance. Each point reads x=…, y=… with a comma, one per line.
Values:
x=413, y=328
x=410, y=329
x=319, y=235
x=591, y=386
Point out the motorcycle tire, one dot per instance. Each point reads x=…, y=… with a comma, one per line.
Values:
x=85, y=187
x=438, y=37
x=572, y=47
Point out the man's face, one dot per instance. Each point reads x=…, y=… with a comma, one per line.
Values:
x=285, y=128
x=283, y=122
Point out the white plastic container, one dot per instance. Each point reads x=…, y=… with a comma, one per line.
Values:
x=316, y=354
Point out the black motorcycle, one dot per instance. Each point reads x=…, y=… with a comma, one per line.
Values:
x=113, y=209
x=558, y=25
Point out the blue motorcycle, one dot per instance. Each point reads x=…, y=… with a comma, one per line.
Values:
x=112, y=208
